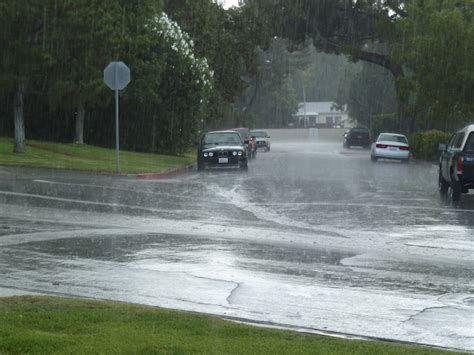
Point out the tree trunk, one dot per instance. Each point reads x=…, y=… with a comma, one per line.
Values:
x=79, y=135
x=19, y=120
x=154, y=134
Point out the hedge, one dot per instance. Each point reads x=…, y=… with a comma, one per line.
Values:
x=424, y=145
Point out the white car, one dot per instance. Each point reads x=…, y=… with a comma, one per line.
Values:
x=263, y=139
x=390, y=146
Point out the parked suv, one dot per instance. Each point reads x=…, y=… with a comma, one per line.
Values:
x=357, y=136
x=456, y=164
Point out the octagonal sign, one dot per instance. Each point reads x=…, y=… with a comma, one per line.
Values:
x=117, y=75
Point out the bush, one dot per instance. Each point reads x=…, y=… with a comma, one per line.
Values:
x=424, y=145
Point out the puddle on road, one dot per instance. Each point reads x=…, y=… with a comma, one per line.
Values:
x=161, y=246
x=171, y=252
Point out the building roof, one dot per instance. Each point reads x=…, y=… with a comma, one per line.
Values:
x=317, y=108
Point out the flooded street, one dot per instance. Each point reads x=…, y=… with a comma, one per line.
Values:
x=313, y=237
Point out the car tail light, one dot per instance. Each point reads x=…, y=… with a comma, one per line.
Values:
x=460, y=164
x=381, y=146
x=404, y=148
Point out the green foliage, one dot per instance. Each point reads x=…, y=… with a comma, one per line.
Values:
x=372, y=96
x=383, y=123
x=23, y=51
x=49, y=325
x=424, y=145
x=437, y=47
x=428, y=46
x=77, y=57
x=228, y=39
x=58, y=49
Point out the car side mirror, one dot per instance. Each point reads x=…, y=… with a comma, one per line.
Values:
x=442, y=147
x=269, y=137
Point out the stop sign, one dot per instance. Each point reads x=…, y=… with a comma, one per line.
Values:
x=117, y=75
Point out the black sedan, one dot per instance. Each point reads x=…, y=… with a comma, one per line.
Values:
x=357, y=136
x=222, y=149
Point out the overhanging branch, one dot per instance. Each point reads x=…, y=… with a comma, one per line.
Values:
x=378, y=59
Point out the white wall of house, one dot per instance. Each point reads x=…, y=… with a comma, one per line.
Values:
x=321, y=115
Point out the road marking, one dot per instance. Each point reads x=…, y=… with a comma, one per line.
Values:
x=109, y=188
x=249, y=204
x=83, y=202
x=338, y=204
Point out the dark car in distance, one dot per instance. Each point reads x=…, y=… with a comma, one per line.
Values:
x=357, y=136
x=222, y=149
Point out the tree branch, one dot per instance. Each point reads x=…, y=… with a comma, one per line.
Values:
x=378, y=59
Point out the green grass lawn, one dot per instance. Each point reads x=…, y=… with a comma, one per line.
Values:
x=50, y=325
x=89, y=158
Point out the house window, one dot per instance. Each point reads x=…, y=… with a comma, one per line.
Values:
x=338, y=119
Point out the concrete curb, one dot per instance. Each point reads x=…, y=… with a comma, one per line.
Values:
x=164, y=174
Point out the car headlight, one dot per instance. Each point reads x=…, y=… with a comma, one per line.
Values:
x=234, y=154
x=240, y=153
x=211, y=154
x=205, y=155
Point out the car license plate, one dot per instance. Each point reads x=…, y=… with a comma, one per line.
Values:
x=393, y=148
x=223, y=160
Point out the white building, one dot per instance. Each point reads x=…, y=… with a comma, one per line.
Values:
x=321, y=115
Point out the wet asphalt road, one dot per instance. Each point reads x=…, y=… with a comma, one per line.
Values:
x=313, y=237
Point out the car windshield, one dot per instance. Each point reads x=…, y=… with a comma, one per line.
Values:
x=392, y=138
x=222, y=138
x=259, y=134
x=130, y=178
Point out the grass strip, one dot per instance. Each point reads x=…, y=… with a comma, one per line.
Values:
x=50, y=325
x=42, y=154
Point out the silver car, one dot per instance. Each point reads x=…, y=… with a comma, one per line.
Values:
x=263, y=139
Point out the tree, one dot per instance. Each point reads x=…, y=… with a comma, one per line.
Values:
x=85, y=38
x=23, y=31
x=228, y=39
x=426, y=45
x=437, y=48
x=337, y=26
x=372, y=97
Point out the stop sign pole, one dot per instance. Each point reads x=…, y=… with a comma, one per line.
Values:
x=117, y=77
